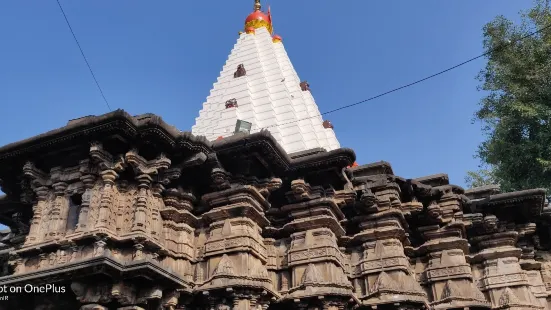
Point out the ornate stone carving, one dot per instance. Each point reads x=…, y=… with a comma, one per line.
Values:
x=327, y=124
x=304, y=86
x=240, y=71
x=220, y=179
x=231, y=103
x=237, y=224
x=98, y=293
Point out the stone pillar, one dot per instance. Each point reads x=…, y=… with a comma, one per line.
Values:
x=180, y=240
x=36, y=222
x=38, y=181
x=448, y=275
x=103, y=221
x=145, y=170
x=141, y=214
x=110, y=168
x=315, y=261
x=384, y=269
x=88, y=181
x=170, y=300
x=235, y=250
x=156, y=226
x=528, y=244
x=236, y=302
x=503, y=279
x=92, y=296
x=58, y=213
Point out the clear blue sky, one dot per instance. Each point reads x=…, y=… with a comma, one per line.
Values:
x=163, y=56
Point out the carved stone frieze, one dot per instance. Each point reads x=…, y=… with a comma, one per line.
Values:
x=237, y=224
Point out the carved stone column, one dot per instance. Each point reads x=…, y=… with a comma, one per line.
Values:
x=529, y=264
x=179, y=223
x=109, y=167
x=384, y=268
x=36, y=222
x=141, y=214
x=126, y=294
x=170, y=299
x=156, y=221
x=108, y=176
x=234, y=248
x=59, y=211
x=448, y=274
x=502, y=278
x=146, y=220
x=316, y=263
x=88, y=181
x=93, y=296
x=236, y=302
x=38, y=183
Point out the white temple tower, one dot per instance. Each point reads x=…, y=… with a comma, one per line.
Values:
x=258, y=88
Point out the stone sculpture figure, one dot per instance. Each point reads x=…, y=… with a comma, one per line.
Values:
x=304, y=86
x=240, y=71
x=231, y=103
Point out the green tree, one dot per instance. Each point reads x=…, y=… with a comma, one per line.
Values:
x=516, y=111
x=480, y=178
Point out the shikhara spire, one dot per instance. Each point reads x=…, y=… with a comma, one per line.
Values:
x=259, y=88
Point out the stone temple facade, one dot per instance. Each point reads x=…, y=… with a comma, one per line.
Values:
x=121, y=212
x=126, y=212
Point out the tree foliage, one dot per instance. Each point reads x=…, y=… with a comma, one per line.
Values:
x=516, y=111
x=480, y=178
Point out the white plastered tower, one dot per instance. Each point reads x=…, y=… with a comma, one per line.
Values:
x=266, y=92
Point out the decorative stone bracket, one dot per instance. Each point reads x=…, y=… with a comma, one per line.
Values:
x=304, y=86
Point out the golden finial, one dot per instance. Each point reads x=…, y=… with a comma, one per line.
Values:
x=257, y=5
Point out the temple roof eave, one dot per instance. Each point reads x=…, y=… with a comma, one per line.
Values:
x=265, y=145
x=536, y=198
x=118, y=120
x=138, y=131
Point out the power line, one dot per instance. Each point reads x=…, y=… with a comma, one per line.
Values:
x=415, y=82
x=83, y=56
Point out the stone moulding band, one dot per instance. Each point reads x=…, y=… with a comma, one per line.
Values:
x=94, y=265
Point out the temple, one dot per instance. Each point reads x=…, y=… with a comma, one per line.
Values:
x=123, y=212
x=258, y=88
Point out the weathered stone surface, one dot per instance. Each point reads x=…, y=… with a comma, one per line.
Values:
x=129, y=213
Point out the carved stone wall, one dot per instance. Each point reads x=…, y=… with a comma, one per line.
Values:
x=128, y=233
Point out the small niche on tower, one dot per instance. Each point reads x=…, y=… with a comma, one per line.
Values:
x=232, y=103
x=304, y=86
x=240, y=71
x=75, y=203
x=327, y=124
